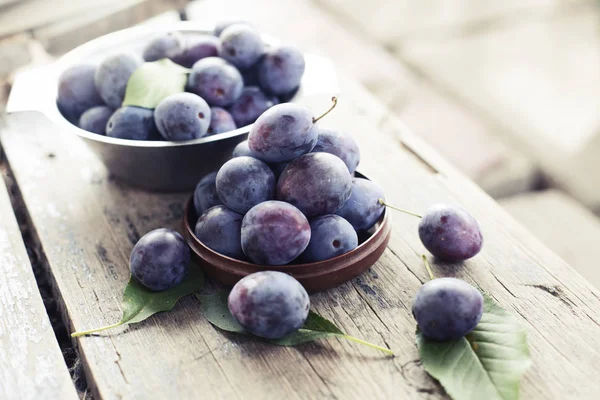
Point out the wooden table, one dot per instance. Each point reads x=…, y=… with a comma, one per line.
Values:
x=85, y=223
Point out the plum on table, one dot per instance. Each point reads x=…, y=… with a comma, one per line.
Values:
x=269, y=304
x=160, y=259
x=450, y=233
x=447, y=308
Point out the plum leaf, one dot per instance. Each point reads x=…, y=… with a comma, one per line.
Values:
x=153, y=81
x=486, y=364
x=316, y=327
x=139, y=302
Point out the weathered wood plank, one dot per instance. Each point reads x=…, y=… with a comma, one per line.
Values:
x=31, y=363
x=94, y=222
x=165, y=356
x=563, y=225
x=29, y=14
x=63, y=35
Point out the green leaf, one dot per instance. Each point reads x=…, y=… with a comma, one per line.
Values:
x=316, y=327
x=153, y=81
x=214, y=307
x=487, y=364
x=139, y=302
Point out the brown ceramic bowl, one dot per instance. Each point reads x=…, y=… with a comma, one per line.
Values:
x=314, y=277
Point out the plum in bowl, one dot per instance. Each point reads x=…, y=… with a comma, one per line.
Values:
x=157, y=164
x=314, y=276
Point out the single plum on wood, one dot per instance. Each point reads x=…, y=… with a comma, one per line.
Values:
x=269, y=304
x=450, y=233
x=160, y=259
x=447, y=308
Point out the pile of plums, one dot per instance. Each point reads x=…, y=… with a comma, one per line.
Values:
x=234, y=78
x=287, y=194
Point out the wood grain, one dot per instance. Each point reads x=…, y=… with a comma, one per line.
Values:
x=61, y=35
x=562, y=224
x=88, y=223
x=31, y=363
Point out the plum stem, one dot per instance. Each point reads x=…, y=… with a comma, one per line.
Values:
x=383, y=203
x=426, y=261
x=357, y=340
x=82, y=333
x=334, y=99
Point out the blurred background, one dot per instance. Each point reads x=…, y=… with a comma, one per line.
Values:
x=507, y=91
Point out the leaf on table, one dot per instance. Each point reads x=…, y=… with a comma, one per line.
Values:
x=487, y=364
x=153, y=81
x=139, y=302
x=315, y=327
x=216, y=311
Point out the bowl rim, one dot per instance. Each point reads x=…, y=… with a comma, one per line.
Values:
x=317, y=265
x=76, y=56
